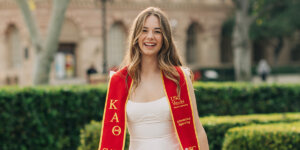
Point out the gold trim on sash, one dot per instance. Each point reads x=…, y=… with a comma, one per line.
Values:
x=173, y=121
x=100, y=142
x=125, y=127
x=187, y=87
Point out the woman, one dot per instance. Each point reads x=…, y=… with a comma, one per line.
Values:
x=151, y=94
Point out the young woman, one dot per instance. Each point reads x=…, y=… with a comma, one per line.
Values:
x=152, y=94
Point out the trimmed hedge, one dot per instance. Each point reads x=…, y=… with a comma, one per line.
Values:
x=89, y=140
x=244, y=98
x=216, y=127
x=47, y=117
x=281, y=136
x=51, y=117
x=90, y=136
x=227, y=73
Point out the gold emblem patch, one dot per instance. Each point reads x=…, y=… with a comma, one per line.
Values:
x=177, y=102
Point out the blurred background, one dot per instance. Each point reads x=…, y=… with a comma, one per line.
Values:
x=69, y=47
x=91, y=37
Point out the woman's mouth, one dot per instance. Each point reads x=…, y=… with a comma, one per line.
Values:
x=150, y=45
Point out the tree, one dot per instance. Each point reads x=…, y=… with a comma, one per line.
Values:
x=279, y=22
x=246, y=13
x=44, y=49
x=241, y=41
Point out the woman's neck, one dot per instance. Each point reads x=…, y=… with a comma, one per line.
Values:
x=149, y=65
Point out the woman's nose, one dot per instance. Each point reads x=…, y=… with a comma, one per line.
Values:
x=150, y=35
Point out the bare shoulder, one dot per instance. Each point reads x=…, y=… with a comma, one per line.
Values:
x=187, y=72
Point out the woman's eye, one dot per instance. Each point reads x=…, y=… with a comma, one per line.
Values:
x=144, y=30
x=157, y=32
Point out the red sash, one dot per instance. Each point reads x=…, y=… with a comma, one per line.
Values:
x=114, y=118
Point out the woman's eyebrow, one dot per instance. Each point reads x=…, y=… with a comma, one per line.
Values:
x=154, y=28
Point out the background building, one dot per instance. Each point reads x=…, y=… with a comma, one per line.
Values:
x=197, y=27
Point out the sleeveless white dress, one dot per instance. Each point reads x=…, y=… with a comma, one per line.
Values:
x=150, y=126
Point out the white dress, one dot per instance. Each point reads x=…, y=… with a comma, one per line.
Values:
x=150, y=126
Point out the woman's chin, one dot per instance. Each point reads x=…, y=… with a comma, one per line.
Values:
x=149, y=52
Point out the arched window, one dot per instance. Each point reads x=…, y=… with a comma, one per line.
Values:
x=193, y=48
x=14, y=53
x=116, y=45
x=226, y=42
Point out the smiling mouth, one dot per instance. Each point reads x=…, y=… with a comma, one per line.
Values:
x=150, y=44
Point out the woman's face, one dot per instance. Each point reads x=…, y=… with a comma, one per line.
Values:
x=150, y=40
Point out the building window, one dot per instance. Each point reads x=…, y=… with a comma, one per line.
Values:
x=14, y=54
x=116, y=45
x=226, y=41
x=65, y=61
x=192, y=44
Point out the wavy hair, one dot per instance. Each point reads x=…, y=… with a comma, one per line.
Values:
x=167, y=56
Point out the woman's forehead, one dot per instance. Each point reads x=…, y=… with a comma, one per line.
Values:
x=152, y=22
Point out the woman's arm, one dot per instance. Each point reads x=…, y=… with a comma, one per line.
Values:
x=202, y=138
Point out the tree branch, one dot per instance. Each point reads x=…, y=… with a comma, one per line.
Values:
x=31, y=24
x=55, y=25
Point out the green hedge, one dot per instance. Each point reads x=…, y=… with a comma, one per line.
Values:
x=216, y=127
x=281, y=136
x=244, y=98
x=286, y=70
x=227, y=73
x=51, y=117
x=90, y=136
x=47, y=118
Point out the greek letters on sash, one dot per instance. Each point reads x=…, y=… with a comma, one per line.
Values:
x=112, y=104
x=114, y=118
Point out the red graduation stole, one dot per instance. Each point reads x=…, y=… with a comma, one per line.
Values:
x=114, y=120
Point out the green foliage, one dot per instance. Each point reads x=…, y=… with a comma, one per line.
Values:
x=47, y=117
x=286, y=69
x=276, y=18
x=90, y=136
x=227, y=73
x=216, y=127
x=51, y=117
x=280, y=136
x=280, y=70
x=245, y=98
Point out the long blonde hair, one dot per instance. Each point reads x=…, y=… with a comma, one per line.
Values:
x=167, y=56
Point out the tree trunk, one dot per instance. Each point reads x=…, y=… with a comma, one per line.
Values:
x=31, y=25
x=241, y=43
x=45, y=51
x=45, y=58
